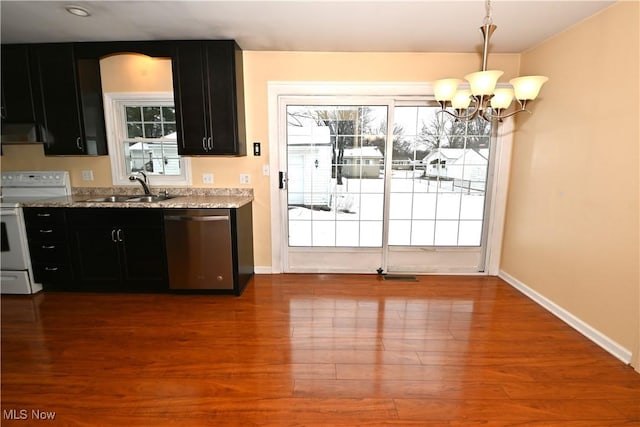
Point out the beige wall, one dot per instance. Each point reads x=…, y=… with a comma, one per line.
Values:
x=259, y=69
x=572, y=225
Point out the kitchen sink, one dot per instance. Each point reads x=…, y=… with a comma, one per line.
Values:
x=125, y=199
x=108, y=199
x=148, y=199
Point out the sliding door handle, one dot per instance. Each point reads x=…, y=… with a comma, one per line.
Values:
x=282, y=180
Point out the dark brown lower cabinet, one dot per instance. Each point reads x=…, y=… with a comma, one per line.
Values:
x=50, y=256
x=119, y=250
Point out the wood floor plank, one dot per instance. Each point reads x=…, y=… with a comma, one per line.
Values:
x=595, y=411
x=308, y=350
x=395, y=389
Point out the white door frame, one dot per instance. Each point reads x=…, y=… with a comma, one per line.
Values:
x=279, y=89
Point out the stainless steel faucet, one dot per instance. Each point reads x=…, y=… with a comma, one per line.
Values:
x=142, y=181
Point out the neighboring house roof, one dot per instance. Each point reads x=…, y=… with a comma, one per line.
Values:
x=453, y=154
x=140, y=146
x=364, y=152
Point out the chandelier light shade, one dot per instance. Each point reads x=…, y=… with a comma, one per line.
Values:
x=483, y=82
x=445, y=89
x=461, y=100
x=527, y=88
x=484, y=98
x=502, y=98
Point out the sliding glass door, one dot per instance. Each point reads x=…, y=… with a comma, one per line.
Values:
x=363, y=196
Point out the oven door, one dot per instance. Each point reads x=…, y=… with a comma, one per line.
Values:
x=13, y=240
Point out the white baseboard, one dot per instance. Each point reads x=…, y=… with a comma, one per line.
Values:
x=263, y=269
x=579, y=325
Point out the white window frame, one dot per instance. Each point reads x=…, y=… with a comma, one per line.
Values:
x=398, y=90
x=115, y=121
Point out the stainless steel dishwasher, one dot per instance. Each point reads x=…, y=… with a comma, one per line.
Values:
x=199, y=248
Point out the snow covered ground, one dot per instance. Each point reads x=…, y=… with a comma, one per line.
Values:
x=422, y=212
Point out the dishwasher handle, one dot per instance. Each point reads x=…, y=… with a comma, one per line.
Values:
x=196, y=218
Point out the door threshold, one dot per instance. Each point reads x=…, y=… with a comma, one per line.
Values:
x=400, y=277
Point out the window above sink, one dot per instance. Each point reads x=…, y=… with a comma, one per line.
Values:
x=140, y=120
x=141, y=137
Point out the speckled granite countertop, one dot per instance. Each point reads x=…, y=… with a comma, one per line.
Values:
x=191, y=198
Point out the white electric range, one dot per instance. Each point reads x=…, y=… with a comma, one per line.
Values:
x=16, y=275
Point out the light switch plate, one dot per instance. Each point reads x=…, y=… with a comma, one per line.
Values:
x=245, y=178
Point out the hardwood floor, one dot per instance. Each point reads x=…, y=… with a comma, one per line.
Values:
x=308, y=350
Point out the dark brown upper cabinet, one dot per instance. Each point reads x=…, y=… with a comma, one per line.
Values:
x=17, y=92
x=208, y=89
x=68, y=101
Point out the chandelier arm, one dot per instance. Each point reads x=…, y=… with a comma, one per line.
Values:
x=470, y=116
x=499, y=117
x=485, y=116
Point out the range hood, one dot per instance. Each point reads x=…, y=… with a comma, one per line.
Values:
x=20, y=133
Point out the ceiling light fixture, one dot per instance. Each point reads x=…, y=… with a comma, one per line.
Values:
x=483, y=99
x=77, y=10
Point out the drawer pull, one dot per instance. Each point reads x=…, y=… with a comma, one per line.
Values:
x=48, y=246
x=46, y=231
x=51, y=268
x=44, y=215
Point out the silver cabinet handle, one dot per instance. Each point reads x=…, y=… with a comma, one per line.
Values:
x=204, y=143
x=46, y=231
x=79, y=143
x=120, y=234
x=48, y=246
x=51, y=268
x=196, y=218
x=113, y=235
x=210, y=144
x=44, y=215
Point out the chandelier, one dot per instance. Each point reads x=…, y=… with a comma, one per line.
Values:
x=483, y=99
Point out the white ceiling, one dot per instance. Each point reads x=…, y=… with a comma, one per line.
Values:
x=320, y=25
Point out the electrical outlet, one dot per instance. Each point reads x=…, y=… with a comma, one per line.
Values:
x=207, y=178
x=87, y=175
x=245, y=178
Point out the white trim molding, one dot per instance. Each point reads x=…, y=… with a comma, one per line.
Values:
x=576, y=323
x=115, y=122
x=260, y=269
x=399, y=91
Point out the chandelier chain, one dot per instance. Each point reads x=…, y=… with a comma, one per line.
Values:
x=487, y=18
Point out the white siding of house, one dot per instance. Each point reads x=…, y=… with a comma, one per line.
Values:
x=309, y=185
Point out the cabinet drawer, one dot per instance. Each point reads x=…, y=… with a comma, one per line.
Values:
x=45, y=232
x=51, y=273
x=44, y=215
x=48, y=251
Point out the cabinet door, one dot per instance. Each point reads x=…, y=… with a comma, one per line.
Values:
x=58, y=99
x=189, y=92
x=143, y=258
x=17, y=94
x=95, y=257
x=94, y=135
x=223, y=98
x=69, y=101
